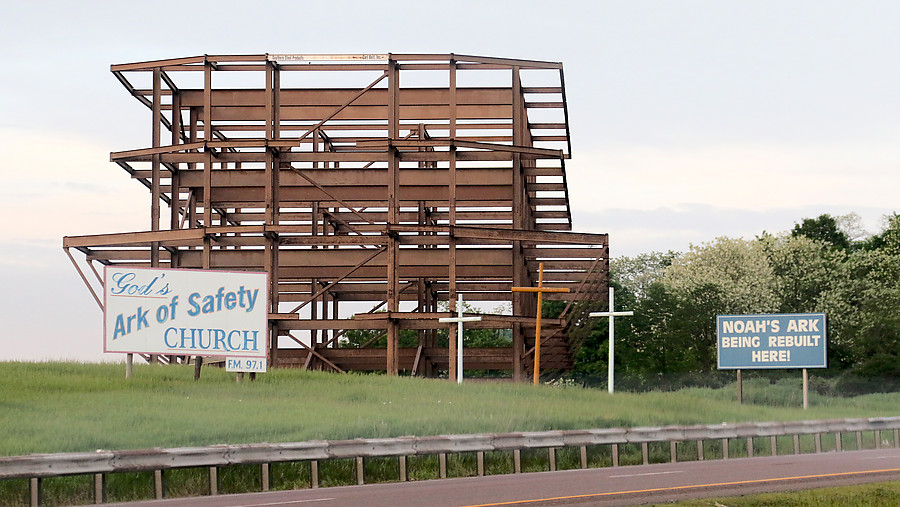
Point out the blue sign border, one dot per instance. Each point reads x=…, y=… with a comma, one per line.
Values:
x=754, y=336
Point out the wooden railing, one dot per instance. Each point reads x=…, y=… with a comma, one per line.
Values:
x=100, y=463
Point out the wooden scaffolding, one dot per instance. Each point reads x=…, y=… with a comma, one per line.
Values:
x=367, y=201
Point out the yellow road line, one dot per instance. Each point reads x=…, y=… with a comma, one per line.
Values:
x=695, y=486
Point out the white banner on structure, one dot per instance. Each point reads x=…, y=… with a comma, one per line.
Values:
x=185, y=312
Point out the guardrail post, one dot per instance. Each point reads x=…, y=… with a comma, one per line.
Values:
x=402, y=460
x=858, y=440
x=99, y=488
x=878, y=439
x=645, y=452
x=838, y=444
x=37, y=492
x=552, y=452
x=158, y=484
x=213, y=481
x=724, y=448
x=264, y=476
x=699, y=450
x=672, y=451
x=480, y=458
x=584, y=456
x=749, y=447
x=818, y=443
x=314, y=474
x=359, y=471
x=796, y=444
x=896, y=438
x=615, y=454
x=442, y=458
x=517, y=461
x=774, y=443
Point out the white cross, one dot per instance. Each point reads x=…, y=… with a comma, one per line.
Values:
x=458, y=320
x=611, y=314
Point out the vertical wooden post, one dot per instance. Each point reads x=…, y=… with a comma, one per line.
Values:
x=206, y=201
x=699, y=450
x=480, y=459
x=452, y=298
x=271, y=195
x=818, y=443
x=517, y=461
x=672, y=451
x=175, y=202
x=537, y=327
x=155, y=187
x=552, y=458
x=37, y=492
x=859, y=445
x=99, y=488
x=724, y=448
x=805, y=389
x=796, y=444
x=749, y=447
x=213, y=481
x=520, y=271
x=264, y=476
x=159, y=484
x=403, y=477
x=540, y=290
x=314, y=474
x=615, y=454
x=584, y=462
x=838, y=442
x=740, y=388
x=773, y=441
x=645, y=452
x=393, y=263
x=198, y=364
x=360, y=478
x=442, y=459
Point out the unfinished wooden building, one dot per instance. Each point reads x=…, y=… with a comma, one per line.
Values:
x=371, y=188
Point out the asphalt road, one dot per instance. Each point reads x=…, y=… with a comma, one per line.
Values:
x=631, y=485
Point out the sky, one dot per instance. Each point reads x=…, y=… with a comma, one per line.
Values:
x=690, y=120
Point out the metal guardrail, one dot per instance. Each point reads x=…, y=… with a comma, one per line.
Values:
x=100, y=463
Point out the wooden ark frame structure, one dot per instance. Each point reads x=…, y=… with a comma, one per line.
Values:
x=366, y=195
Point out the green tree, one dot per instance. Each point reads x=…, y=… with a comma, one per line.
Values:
x=804, y=270
x=736, y=271
x=823, y=228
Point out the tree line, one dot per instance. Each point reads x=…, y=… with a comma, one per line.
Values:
x=824, y=264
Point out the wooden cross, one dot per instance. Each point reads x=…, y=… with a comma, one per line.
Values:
x=458, y=320
x=612, y=329
x=540, y=289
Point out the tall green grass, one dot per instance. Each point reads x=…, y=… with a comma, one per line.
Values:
x=66, y=407
x=867, y=495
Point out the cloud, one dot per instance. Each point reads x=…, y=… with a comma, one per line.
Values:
x=56, y=185
x=633, y=231
x=756, y=176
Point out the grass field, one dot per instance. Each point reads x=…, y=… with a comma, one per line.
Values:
x=67, y=407
x=64, y=407
x=885, y=494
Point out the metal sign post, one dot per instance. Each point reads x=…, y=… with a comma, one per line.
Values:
x=458, y=320
x=612, y=331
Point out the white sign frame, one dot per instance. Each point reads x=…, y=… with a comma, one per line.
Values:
x=185, y=312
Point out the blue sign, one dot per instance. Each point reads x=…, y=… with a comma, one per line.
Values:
x=786, y=340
